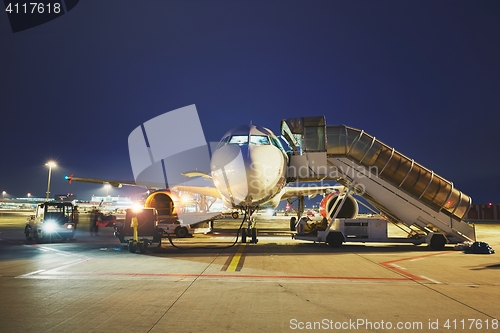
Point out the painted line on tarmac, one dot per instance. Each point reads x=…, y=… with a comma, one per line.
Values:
x=30, y=274
x=49, y=249
x=51, y=271
x=432, y=280
x=235, y=262
x=400, y=270
x=71, y=275
x=397, y=266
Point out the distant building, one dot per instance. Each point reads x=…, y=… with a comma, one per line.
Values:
x=124, y=202
x=65, y=197
x=484, y=212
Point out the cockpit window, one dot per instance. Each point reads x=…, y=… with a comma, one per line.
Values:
x=223, y=142
x=259, y=140
x=239, y=139
x=277, y=143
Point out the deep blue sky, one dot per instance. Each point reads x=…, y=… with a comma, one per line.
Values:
x=422, y=76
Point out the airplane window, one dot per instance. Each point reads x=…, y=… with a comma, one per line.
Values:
x=239, y=139
x=259, y=140
x=276, y=143
x=223, y=142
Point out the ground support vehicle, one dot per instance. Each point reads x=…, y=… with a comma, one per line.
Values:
x=361, y=230
x=147, y=228
x=143, y=222
x=52, y=220
x=404, y=192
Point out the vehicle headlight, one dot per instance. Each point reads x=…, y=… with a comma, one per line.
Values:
x=49, y=226
x=69, y=226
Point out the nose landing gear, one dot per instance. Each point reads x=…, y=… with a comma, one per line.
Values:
x=250, y=231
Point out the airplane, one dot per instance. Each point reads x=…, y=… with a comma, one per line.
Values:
x=248, y=169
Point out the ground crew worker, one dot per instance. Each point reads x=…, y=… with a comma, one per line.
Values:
x=321, y=226
x=301, y=226
x=94, y=217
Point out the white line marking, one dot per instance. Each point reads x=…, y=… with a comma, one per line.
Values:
x=49, y=249
x=432, y=280
x=29, y=274
x=397, y=266
x=416, y=259
x=71, y=263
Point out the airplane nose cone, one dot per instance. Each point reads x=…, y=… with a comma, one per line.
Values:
x=247, y=175
x=228, y=173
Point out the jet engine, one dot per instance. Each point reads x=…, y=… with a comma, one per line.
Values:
x=348, y=211
x=164, y=202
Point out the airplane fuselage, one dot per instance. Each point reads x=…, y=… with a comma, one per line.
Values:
x=249, y=167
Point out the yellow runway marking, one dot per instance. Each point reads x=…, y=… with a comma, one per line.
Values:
x=237, y=260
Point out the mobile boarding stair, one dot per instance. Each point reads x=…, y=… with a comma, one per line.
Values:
x=424, y=204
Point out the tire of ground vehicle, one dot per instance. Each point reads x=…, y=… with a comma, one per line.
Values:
x=35, y=236
x=243, y=235
x=143, y=245
x=181, y=232
x=335, y=239
x=132, y=248
x=27, y=232
x=438, y=241
x=235, y=215
x=293, y=221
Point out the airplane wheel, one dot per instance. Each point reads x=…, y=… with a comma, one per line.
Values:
x=243, y=235
x=254, y=236
x=181, y=232
x=293, y=221
x=235, y=215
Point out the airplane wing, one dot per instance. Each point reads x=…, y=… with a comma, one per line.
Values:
x=196, y=218
x=296, y=191
x=114, y=183
x=209, y=191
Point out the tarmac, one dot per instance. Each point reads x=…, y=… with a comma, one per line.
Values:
x=94, y=284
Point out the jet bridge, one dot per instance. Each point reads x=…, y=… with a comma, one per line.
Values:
x=405, y=192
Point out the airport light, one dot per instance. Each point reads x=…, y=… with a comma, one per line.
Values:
x=3, y=194
x=107, y=186
x=29, y=195
x=50, y=164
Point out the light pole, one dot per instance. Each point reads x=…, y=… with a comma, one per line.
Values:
x=50, y=164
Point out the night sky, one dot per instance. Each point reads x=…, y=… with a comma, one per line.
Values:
x=421, y=76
